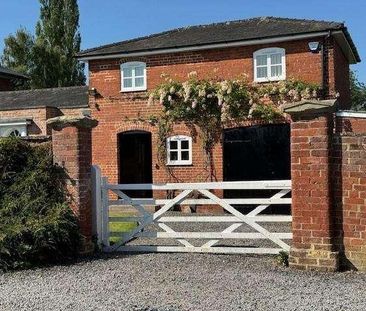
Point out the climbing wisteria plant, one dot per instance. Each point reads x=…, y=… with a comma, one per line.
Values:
x=213, y=104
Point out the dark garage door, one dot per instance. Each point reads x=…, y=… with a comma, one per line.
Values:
x=256, y=153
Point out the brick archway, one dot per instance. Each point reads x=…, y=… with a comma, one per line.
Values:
x=134, y=154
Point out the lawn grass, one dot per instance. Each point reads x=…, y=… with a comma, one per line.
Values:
x=120, y=227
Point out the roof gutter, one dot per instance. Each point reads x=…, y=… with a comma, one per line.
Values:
x=344, y=43
x=206, y=46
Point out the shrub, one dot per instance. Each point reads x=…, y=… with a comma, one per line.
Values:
x=36, y=224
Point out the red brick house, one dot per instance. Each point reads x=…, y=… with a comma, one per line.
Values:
x=264, y=49
x=9, y=79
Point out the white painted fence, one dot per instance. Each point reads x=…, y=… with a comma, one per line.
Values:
x=233, y=217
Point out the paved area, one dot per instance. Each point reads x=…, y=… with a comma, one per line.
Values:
x=176, y=282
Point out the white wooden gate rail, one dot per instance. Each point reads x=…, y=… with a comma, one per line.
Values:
x=236, y=218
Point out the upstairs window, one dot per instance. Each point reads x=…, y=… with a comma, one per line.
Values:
x=133, y=77
x=269, y=65
x=179, y=150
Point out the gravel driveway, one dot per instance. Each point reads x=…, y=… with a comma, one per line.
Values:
x=172, y=282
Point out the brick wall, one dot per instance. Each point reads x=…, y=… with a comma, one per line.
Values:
x=313, y=227
x=350, y=190
x=38, y=126
x=71, y=146
x=328, y=172
x=119, y=112
x=222, y=63
x=39, y=116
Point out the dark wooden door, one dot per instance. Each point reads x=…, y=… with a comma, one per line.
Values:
x=135, y=161
x=256, y=153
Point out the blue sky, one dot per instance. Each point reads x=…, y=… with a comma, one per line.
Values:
x=109, y=21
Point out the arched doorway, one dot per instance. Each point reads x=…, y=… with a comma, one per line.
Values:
x=135, y=161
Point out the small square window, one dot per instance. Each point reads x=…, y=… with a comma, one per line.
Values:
x=127, y=82
x=139, y=71
x=185, y=155
x=184, y=144
x=173, y=155
x=262, y=60
x=133, y=76
x=173, y=144
x=262, y=72
x=139, y=82
x=179, y=150
x=276, y=59
x=269, y=65
x=127, y=72
x=276, y=71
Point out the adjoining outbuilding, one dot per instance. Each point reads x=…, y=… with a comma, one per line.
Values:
x=24, y=113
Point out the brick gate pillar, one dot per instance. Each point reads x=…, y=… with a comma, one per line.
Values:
x=71, y=146
x=312, y=209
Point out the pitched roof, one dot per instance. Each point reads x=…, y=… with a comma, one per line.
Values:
x=11, y=73
x=63, y=97
x=226, y=32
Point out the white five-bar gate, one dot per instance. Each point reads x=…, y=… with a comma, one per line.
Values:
x=147, y=218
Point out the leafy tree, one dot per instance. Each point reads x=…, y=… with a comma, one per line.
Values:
x=49, y=57
x=358, y=93
x=17, y=53
x=57, y=41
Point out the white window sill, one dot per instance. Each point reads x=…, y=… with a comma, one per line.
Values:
x=269, y=80
x=133, y=90
x=179, y=163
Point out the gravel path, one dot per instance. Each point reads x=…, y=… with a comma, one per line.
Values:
x=175, y=282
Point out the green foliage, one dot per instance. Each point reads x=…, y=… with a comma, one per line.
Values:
x=213, y=105
x=57, y=41
x=282, y=259
x=48, y=59
x=17, y=53
x=36, y=225
x=358, y=93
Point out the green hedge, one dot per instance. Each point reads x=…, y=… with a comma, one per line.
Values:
x=36, y=225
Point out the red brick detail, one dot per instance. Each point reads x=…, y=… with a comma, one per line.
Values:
x=72, y=150
x=107, y=157
x=313, y=228
x=228, y=63
x=350, y=190
x=117, y=112
x=39, y=117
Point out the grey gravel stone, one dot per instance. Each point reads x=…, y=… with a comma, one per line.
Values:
x=176, y=282
x=182, y=282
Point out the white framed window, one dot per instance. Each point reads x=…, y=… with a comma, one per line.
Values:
x=133, y=77
x=15, y=127
x=179, y=150
x=14, y=133
x=269, y=65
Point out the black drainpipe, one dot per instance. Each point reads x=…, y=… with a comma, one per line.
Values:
x=325, y=65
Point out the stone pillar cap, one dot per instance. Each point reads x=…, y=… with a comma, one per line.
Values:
x=311, y=107
x=59, y=123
